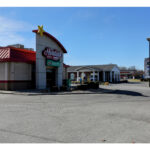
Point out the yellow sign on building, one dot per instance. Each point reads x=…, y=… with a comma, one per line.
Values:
x=40, y=30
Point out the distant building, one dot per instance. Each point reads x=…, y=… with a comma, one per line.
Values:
x=127, y=74
x=102, y=73
x=20, y=46
x=17, y=46
x=146, y=68
x=65, y=74
x=131, y=74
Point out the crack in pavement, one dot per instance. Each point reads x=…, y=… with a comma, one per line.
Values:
x=33, y=136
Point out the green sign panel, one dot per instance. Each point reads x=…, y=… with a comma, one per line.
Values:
x=52, y=63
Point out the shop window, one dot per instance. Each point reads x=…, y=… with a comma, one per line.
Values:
x=72, y=76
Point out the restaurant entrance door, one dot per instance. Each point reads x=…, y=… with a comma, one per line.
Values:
x=50, y=77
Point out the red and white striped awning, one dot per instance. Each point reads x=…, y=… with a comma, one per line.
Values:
x=4, y=53
x=12, y=54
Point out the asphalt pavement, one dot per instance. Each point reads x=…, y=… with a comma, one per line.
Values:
x=118, y=113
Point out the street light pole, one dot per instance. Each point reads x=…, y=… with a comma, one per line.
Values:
x=148, y=39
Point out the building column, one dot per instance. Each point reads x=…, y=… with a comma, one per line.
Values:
x=88, y=77
x=82, y=77
x=77, y=75
x=119, y=77
x=104, y=76
x=59, y=76
x=40, y=63
x=6, y=75
x=6, y=71
x=93, y=75
x=110, y=76
x=98, y=76
x=114, y=77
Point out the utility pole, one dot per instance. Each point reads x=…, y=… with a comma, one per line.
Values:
x=148, y=39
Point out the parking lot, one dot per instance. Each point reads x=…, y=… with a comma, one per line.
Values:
x=118, y=113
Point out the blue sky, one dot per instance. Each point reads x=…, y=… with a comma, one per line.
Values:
x=90, y=35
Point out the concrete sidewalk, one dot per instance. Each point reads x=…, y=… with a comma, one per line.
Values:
x=102, y=90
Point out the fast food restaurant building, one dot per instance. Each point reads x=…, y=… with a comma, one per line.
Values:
x=21, y=68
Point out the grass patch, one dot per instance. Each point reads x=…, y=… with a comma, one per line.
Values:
x=134, y=80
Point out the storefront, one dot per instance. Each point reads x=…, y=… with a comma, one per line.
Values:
x=21, y=68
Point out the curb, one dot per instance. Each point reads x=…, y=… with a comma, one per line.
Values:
x=52, y=93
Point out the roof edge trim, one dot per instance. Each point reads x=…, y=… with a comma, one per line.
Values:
x=53, y=38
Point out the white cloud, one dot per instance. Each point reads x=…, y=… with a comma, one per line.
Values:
x=10, y=31
x=10, y=38
x=11, y=25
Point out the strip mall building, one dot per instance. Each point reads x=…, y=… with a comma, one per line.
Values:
x=22, y=68
x=100, y=73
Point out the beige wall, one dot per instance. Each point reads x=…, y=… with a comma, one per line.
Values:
x=15, y=71
x=2, y=71
x=15, y=74
x=20, y=71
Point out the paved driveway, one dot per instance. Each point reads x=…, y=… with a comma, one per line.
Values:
x=120, y=114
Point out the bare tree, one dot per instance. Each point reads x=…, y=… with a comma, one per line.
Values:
x=132, y=68
x=123, y=68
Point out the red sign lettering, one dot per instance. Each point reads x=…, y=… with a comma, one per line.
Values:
x=52, y=54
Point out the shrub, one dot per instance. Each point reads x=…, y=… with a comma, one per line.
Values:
x=75, y=82
x=124, y=81
x=63, y=88
x=106, y=83
x=145, y=79
x=82, y=87
x=93, y=85
x=65, y=82
x=54, y=89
